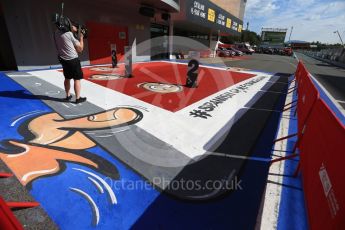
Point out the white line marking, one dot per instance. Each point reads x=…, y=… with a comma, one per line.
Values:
x=272, y=196
x=65, y=105
x=295, y=56
x=94, y=207
x=269, y=110
x=201, y=65
x=107, y=187
x=19, y=75
x=25, y=177
x=20, y=154
x=52, y=92
x=76, y=115
x=27, y=115
x=241, y=157
x=99, y=187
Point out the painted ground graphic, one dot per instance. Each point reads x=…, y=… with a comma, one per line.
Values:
x=144, y=151
x=172, y=96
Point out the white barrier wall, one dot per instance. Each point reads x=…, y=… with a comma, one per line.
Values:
x=335, y=54
x=31, y=30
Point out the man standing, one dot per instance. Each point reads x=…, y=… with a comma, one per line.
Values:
x=68, y=48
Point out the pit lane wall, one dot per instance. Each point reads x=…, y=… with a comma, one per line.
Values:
x=334, y=56
x=321, y=145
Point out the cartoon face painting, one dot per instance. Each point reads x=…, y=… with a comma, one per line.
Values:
x=161, y=87
x=105, y=77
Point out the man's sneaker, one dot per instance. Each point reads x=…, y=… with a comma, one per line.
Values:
x=69, y=98
x=80, y=100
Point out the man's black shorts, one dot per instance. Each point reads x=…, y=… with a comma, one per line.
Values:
x=72, y=69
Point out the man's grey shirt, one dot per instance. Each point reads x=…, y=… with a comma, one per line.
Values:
x=65, y=43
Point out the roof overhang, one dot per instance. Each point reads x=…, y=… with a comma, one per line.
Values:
x=204, y=13
x=171, y=6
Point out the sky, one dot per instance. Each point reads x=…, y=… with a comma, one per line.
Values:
x=312, y=20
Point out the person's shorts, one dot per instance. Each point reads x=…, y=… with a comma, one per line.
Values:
x=72, y=69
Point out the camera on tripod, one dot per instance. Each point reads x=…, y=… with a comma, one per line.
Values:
x=64, y=24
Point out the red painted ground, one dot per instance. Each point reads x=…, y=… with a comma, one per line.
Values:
x=210, y=81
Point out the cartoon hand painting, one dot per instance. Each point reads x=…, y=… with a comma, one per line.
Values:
x=35, y=161
x=55, y=139
x=53, y=130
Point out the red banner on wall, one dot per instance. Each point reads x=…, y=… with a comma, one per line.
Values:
x=101, y=37
x=323, y=171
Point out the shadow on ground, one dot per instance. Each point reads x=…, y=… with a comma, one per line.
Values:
x=223, y=206
x=22, y=94
x=334, y=84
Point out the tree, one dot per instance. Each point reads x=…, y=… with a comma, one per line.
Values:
x=250, y=37
x=230, y=39
x=246, y=36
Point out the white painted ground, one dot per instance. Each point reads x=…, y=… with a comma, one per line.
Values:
x=190, y=135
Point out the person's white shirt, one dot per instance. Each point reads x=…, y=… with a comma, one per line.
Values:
x=65, y=44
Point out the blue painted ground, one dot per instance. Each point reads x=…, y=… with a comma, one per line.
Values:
x=68, y=209
x=292, y=210
x=140, y=207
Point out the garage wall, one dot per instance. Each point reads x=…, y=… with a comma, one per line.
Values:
x=7, y=60
x=102, y=37
x=31, y=30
